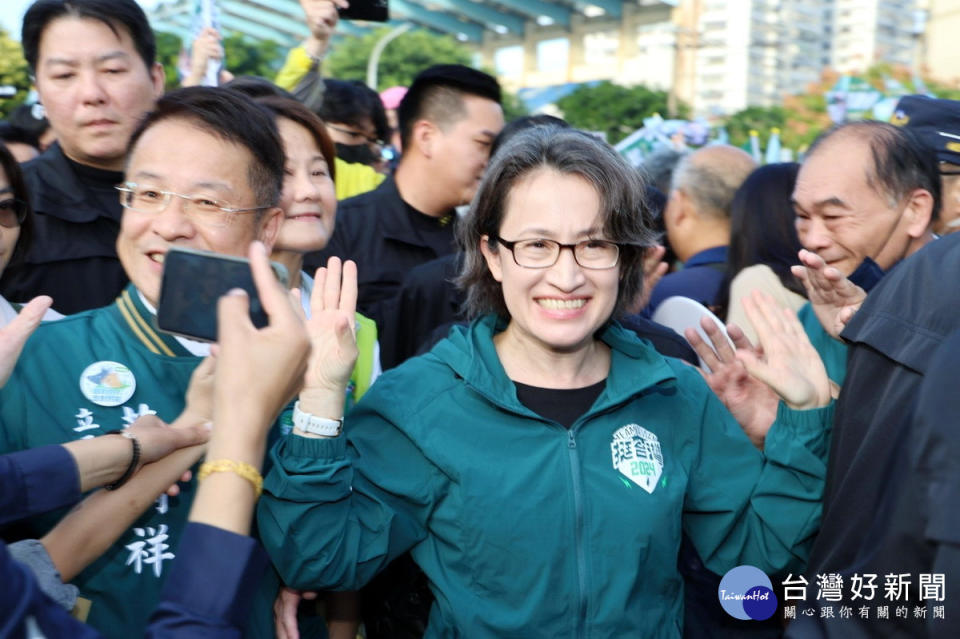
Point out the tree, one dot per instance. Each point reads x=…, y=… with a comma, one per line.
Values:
x=616, y=110
x=760, y=119
x=252, y=57
x=244, y=56
x=401, y=60
x=513, y=107
x=168, y=54
x=13, y=72
x=802, y=117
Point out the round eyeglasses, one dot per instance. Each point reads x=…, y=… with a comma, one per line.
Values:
x=204, y=210
x=542, y=253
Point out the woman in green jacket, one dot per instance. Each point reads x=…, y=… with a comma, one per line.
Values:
x=541, y=464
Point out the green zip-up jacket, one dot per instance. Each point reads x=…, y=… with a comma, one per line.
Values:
x=525, y=528
x=51, y=398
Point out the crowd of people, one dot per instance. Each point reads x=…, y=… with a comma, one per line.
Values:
x=461, y=419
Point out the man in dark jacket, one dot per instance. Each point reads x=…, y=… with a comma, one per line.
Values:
x=877, y=509
x=448, y=120
x=95, y=69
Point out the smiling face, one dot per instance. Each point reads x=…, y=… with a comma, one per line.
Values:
x=95, y=87
x=175, y=155
x=843, y=218
x=561, y=307
x=309, y=201
x=8, y=236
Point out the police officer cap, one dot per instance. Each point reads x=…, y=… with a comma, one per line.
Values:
x=936, y=122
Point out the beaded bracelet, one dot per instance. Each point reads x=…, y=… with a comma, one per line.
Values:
x=134, y=460
x=242, y=469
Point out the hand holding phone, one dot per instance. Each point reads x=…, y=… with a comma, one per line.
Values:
x=194, y=280
x=369, y=10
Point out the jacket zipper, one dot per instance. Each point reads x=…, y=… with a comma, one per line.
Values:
x=574, y=458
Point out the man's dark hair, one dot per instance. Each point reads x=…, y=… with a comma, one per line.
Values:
x=437, y=95
x=25, y=117
x=901, y=162
x=18, y=188
x=351, y=102
x=253, y=86
x=233, y=117
x=116, y=14
x=13, y=133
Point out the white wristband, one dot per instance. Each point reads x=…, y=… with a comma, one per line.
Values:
x=317, y=425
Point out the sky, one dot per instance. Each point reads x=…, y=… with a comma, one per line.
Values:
x=11, y=12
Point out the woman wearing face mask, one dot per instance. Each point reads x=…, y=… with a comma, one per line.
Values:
x=541, y=464
x=16, y=228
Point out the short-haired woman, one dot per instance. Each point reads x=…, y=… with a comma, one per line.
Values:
x=541, y=464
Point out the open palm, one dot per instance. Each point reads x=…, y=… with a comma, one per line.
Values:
x=332, y=327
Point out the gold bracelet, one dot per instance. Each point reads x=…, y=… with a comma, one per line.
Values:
x=242, y=469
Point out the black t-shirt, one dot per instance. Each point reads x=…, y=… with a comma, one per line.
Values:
x=435, y=232
x=562, y=405
x=100, y=182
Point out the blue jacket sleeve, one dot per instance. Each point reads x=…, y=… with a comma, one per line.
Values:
x=36, y=481
x=211, y=587
x=24, y=606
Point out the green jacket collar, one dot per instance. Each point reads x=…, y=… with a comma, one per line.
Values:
x=130, y=312
x=635, y=366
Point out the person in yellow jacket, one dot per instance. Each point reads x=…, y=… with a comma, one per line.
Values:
x=300, y=73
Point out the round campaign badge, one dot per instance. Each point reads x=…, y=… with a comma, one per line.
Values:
x=107, y=383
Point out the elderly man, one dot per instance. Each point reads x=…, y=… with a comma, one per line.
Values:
x=94, y=64
x=697, y=218
x=205, y=171
x=889, y=531
x=866, y=197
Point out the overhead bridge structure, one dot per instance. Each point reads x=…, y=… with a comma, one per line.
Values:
x=470, y=21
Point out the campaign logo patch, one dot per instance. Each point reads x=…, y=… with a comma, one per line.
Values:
x=636, y=454
x=107, y=383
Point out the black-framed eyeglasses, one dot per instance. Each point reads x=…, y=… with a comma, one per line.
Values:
x=543, y=253
x=12, y=212
x=357, y=134
x=204, y=210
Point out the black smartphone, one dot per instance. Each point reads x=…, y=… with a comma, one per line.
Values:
x=369, y=10
x=194, y=280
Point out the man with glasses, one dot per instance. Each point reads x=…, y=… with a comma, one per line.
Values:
x=205, y=171
x=94, y=65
